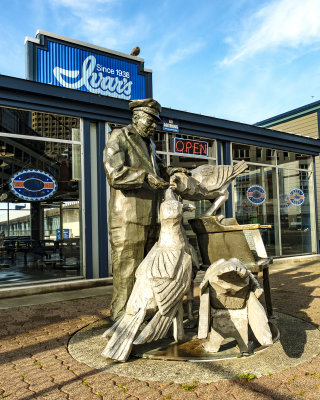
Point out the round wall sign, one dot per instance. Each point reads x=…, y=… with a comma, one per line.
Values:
x=296, y=196
x=33, y=185
x=256, y=195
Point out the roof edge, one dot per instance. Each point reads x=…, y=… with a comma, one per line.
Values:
x=280, y=118
x=85, y=44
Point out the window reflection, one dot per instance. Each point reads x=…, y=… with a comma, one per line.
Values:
x=38, y=124
x=253, y=154
x=294, y=210
x=40, y=237
x=294, y=160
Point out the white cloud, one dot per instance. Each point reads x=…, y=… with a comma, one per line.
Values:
x=109, y=24
x=80, y=4
x=284, y=23
x=170, y=55
x=95, y=21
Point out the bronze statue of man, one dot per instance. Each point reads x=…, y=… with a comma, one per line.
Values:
x=135, y=174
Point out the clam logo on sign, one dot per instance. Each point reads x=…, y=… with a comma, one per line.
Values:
x=33, y=185
x=256, y=195
x=74, y=68
x=296, y=197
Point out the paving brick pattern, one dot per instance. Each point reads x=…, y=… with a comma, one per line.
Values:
x=35, y=363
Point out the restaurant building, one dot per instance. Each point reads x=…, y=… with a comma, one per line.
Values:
x=303, y=121
x=53, y=188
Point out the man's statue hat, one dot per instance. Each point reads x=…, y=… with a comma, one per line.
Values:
x=149, y=106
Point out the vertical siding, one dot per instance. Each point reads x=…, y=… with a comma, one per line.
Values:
x=306, y=126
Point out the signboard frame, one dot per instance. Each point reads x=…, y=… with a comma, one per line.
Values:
x=42, y=43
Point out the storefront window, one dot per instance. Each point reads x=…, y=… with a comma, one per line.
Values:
x=38, y=124
x=40, y=177
x=256, y=202
x=160, y=140
x=297, y=211
x=281, y=196
x=294, y=160
x=254, y=154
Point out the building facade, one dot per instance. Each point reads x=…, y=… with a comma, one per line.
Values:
x=303, y=121
x=53, y=188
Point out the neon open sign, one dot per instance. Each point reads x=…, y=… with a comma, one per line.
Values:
x=190, y=146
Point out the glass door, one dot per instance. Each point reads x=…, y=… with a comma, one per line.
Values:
x=255, y=202
x=297, y=211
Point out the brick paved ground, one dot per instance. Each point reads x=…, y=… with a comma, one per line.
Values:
x=35, y=364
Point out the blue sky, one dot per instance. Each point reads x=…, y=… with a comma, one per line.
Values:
x=242, y=60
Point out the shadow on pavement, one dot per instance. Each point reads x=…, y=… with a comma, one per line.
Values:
x=292, y=293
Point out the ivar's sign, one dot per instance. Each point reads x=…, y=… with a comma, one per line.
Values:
x=106, y=81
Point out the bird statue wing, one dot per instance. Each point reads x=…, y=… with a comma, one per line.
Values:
x=168, y=290
x=171, y=277
x=214, y=177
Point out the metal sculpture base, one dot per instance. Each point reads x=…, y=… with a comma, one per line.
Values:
x=192, y=350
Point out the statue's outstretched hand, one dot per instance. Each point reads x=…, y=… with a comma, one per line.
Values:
x=173, y=170
x=155, y=182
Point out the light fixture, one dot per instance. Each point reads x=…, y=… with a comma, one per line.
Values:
x=3, y=152
x=3, y=164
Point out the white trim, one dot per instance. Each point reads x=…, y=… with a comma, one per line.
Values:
x=84, y=44
x=94, y=200
x=44, y=139
x=274, y=166
x=83, y=205
x=110, y=269
x=30, y=39
x=278, y=233
x=186, y=155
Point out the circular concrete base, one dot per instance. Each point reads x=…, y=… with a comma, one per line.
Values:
x=299, y=342
x=191, y=348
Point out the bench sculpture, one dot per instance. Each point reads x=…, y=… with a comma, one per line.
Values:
x=229, y=303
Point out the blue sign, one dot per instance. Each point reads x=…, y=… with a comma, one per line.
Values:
x=256, y=195
x=20, y=206
x=189, y=146
x=72, y=67
x=296, y=197
x=66, y=233
x=33, y=185
x=170, y=125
